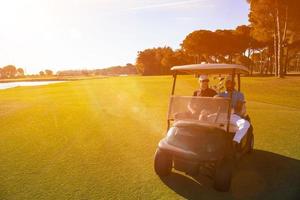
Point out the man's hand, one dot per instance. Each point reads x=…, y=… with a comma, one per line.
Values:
x=203, y=115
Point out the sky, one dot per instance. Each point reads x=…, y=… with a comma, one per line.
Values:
x=89, y=34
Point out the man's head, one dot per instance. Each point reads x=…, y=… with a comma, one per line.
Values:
x=229, y=84
x=203, y=81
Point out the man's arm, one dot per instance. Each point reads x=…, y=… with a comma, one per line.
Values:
x=241, y=97
x=195, y=93
x=240, y=105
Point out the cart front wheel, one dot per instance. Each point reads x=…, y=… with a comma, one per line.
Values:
x=162, y=163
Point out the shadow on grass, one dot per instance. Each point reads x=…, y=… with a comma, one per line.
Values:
x=260, y=175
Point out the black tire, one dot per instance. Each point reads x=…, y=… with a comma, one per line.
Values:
x=162, y=163
x=223, y=175
x=250, y=143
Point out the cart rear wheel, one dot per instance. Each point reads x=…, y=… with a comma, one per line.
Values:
x=250, y=143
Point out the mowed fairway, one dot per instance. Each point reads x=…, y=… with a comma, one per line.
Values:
x=95, y=139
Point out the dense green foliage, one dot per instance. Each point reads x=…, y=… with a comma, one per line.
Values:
x=158, y=61
x=277, y=23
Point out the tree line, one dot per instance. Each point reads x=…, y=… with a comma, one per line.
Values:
x=270, y=44
x=128, y=69
x=46, y=72
x=10, y=71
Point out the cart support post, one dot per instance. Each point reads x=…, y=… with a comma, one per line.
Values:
x=239, y=82
x=171, y=99
x=230, y=103
x=174, y=83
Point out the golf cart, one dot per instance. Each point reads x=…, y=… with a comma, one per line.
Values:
x=199, y=136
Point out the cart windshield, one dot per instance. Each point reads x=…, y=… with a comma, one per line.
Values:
x=212, y=110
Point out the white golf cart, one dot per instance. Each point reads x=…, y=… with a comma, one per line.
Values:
x=199, y=131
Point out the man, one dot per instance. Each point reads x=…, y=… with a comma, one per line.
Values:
x=195, y=106
x=237, y=106
x=204, y=90
x=238, y=98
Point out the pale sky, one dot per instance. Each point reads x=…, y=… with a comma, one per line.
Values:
x=87, y=34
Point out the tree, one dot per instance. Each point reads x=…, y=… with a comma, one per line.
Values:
x=293, y=55
x=243, y=60
x=246, y=40
x=146, y=63
x=201, y=44
x=1, y=73
x=155, y=61
x=48, y=72
x=180, y=57
x=20, y=72
x=158, y=61
x=250, y=46
x=9, y=71
x=275, y=20
x=42, y=73
x=218, y=46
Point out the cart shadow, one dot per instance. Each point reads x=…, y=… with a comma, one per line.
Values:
x=260, y=175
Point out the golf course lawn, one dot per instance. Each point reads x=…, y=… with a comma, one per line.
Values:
x=95, y=139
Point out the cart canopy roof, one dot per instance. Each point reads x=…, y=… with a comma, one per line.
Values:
x=211, y=69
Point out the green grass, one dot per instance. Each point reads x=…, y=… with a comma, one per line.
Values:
x=95, y=139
